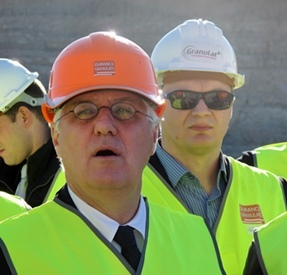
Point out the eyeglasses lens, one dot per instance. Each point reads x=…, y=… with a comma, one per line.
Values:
x=121, y=111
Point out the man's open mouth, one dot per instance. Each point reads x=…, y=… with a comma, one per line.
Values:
x=105, y=153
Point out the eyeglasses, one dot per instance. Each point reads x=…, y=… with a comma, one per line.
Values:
x=88, y=110
x=186, y=100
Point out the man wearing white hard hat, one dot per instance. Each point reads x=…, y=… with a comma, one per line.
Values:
x=196, y=69
x=25, y=138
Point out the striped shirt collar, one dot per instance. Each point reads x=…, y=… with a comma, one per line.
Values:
x=106, y=225
x=176, y=170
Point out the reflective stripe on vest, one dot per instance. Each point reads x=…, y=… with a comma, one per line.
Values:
x=160, y=192
x=58, y=182
x=249, y=189
x=272, y=157
x=62, y=243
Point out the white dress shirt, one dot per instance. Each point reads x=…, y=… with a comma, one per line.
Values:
x=107, y=226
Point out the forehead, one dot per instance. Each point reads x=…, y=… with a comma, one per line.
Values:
x=110, y=95
x=200, y=85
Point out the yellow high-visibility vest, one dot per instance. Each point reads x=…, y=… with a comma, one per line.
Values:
x=56, y=185
x=252, y=197
x=271, y=245
x=272, y=157
x=11, y=205
x=60, y=241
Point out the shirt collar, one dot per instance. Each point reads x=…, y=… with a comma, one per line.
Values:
x=176, y=170
x=173, y=168
x=107, y=226
x=222, y=169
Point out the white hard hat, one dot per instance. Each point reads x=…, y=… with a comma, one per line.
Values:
x=14, y=79
x=197, y=46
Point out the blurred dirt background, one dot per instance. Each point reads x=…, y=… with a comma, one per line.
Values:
x=34, y=32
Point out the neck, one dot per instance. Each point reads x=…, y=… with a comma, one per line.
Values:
x=40, y=136
x=120, y=206
x=204, y=166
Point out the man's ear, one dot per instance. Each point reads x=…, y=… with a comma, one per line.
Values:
x=156, y=133
x=155, y=137
x=25, y=116
x=231, y=113
x=54, y=134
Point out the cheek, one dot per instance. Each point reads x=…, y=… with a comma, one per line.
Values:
x=63, y=141
x=143, y=142
x=225, y=118
x=9, y=130
x=175, y=120
x=169, y=115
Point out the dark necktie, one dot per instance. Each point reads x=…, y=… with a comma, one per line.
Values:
x=126, y=239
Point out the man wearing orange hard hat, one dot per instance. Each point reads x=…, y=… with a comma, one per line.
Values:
x=103, y=106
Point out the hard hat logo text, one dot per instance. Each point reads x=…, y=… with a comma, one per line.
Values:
x=191, y=51
x=104, y=68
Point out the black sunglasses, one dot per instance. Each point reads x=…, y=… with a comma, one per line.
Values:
x=186, y=100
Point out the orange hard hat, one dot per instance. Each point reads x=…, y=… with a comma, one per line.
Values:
x=102, y=60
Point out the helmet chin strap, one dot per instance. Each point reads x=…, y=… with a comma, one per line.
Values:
x=24, y=98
